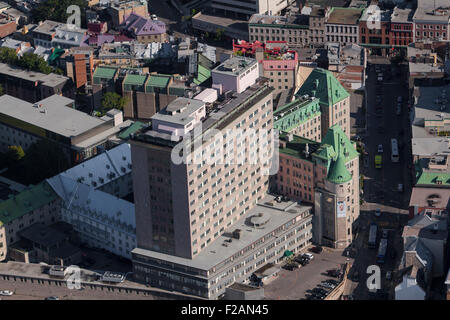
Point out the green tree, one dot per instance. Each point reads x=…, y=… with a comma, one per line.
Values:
x=219, y=34
x=112, y=100
x=8, y=55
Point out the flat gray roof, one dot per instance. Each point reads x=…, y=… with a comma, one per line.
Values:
x=433, y=103
x=189, y=107
x=235, y=65
x=48, y=27
x=53, y=116
x=273, y=213
x=400, y=15
x=51, y=79
x=431, y=146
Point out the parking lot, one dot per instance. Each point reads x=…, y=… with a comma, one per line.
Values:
x=295, y=284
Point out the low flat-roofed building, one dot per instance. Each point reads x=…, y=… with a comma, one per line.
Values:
x=241, y=291
x=342, y=25
x=44, y=33
x=180, y=116
x=234, y=28
x=50, y=244
x=55, y=119
x=260, y=236
x=235, y=74
x=431, y=112
x=428, y=200
x=33, y=86
x=294, y=29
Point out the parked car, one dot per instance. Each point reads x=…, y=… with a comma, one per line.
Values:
x=316, y=249
x=385, y=234
x=377, y=212
x=6, y=293
x=308, y=256
x=52, y=298
x=380, y=148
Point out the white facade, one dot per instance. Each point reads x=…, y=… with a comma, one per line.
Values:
x=100, y=219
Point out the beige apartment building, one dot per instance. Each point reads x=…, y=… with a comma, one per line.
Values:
x=291, y=29
x=342, y=25
x=182, y=208
x=317, y=20
x=121, y=10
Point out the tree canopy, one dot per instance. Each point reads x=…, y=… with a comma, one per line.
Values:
x=28, y=60
x=112, y=100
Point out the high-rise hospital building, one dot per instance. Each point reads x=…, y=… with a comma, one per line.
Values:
x=201, y=176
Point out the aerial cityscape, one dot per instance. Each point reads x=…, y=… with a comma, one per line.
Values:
x=224, y=150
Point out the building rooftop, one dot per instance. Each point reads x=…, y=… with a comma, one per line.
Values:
x=435, y=11
x=271, y=214
x=322, y=84
x=338, y=173
x=292, y=21
x=179, y=111
x=335, y=142
x=297, y=146
x=346, y=16
x=103, y=168
x=235, y=65
x=429, y=177
x=432, y=146
x=50, y=80
x=426, y=197
x=30, y=199
x=374, y=11
x=432, y=103
x=402, y=15
x=50, y=114
x=105, y=72
x=48, y=27
x=103, y=206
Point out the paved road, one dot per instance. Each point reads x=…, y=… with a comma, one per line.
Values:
x=380, y=185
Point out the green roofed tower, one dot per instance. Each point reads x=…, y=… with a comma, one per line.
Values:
x=334, y=99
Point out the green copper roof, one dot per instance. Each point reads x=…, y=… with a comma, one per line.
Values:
x=160, y=81
x=131, y=129
x=296, y=147
x=105, y=73
x=426, y=177
x=323, y=85
x=30, y=199
x=135, y=79
x=293, y=114
x=338, y=172
x=333, y=137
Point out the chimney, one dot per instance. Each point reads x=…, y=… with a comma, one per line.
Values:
x=290, y=137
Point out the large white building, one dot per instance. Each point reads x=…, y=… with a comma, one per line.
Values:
x=100, y=219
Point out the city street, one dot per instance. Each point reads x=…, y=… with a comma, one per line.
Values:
x=381, y=190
